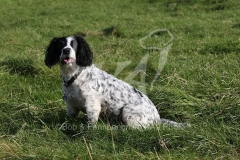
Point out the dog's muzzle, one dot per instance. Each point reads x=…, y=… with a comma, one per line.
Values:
x=66, y=59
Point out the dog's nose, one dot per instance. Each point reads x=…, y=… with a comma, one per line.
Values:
x=66, y=50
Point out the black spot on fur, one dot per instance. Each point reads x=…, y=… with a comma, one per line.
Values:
x=89, y=76
x=113, y=98
x=136, y=91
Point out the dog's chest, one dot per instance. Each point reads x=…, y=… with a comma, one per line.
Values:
x=73, y=96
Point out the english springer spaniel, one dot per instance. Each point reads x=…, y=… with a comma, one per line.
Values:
x=95, y=92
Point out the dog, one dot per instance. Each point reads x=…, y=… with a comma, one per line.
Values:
x=93, y=91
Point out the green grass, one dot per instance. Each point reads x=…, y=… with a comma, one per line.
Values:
x=199, y=84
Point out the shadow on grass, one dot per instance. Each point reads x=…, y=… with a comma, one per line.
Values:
x=236, y=26
x=23, y=67
x=112, y=138
x=15, y=117
x=221, y=48
x=109, y=31
x=104, y=133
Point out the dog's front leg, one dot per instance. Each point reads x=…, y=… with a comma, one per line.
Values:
x=93, y=109
x=72, y=111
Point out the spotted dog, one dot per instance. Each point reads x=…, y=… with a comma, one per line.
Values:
x=88, y=89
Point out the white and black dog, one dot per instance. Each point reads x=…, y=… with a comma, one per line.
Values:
x=95, y=92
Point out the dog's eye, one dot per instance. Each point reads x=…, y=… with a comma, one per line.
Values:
x=60, y=44
x=72, y=43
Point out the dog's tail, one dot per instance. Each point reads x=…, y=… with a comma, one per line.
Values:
x=172, y=123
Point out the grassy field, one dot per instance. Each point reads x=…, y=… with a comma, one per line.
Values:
x=199, y=84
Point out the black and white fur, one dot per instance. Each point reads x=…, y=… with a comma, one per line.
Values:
x=96, y=92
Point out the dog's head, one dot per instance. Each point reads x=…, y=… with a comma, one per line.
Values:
x=68, y=51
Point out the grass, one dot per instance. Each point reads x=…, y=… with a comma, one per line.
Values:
x=199, y=84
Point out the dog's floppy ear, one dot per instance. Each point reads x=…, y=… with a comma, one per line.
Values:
x=84, y=55
x=52, y=53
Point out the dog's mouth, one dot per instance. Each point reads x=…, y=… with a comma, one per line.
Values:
x=67, y=60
